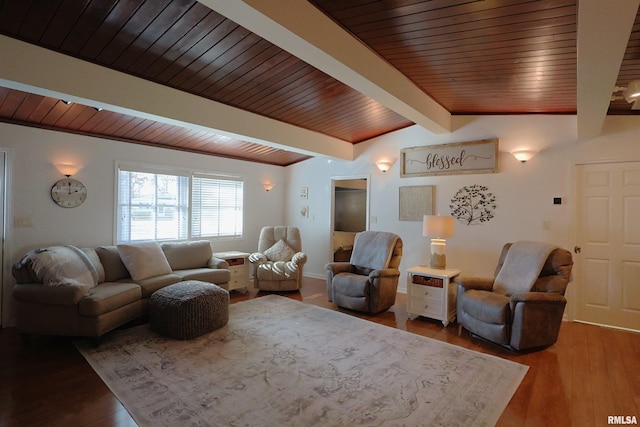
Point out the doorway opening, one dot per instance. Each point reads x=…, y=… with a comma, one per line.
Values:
x=350, y=213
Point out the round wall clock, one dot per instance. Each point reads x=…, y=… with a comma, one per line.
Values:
x=68, y=193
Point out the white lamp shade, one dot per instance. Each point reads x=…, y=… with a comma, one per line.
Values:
x=438, y=226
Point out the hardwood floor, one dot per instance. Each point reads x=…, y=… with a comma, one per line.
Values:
x=589, y=374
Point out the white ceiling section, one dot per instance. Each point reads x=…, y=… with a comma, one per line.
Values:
x=603, y=33
x=305, y=32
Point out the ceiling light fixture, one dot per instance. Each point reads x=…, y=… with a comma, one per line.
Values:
x=630, y=93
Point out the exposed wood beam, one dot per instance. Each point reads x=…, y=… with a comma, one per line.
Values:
x=603, y=35
x=307, y=33
x=37, y=70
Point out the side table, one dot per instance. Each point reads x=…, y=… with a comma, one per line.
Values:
x=238, y=266
x=431, y=293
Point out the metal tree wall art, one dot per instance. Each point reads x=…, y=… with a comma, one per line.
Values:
x=473, y=204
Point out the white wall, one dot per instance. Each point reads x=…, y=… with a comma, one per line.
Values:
x=524, y=192
x=33, y=153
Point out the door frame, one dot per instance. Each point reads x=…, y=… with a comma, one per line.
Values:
x=332, y=225
x=5, y=237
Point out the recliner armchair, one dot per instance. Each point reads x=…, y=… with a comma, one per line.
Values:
x=279, y=261
x=369, y=281
x=522, y=306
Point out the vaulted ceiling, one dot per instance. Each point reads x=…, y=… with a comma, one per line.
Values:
x=278, y=81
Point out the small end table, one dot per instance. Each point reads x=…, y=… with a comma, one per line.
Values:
x=238, y=266
x=431, y=293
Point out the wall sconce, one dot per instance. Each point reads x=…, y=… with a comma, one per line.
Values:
x=523, y=155
x=67, y=169
x=384, y=165
x=268, y=186
x=438, y=228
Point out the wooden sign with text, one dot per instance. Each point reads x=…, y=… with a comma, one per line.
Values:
x=450, y=159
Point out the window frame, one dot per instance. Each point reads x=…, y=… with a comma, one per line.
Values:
x=190, y=174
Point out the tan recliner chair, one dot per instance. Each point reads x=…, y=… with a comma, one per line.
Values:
x=279, y=261
x=518, y=310
x=369, y=281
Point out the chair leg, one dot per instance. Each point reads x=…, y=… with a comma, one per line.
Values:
x=459, y=329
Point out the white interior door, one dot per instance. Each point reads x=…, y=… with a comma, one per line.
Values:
x=608, y=232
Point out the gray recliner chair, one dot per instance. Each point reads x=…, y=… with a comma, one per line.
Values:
x=369, y=281
x=521, y=307
x=279, y=261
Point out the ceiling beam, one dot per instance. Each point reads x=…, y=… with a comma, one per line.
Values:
x=603, y=35
x=33, y=69
x=307, y=33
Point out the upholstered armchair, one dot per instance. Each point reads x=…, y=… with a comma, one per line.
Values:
x=278, y=263
x=521, y=307
x=369, y=281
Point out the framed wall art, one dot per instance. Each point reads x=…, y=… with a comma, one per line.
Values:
x=450, y=159
x=415, y=202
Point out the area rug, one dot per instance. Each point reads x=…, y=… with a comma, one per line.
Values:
x=280, y=362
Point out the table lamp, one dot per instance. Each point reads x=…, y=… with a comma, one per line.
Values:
x=438, y=228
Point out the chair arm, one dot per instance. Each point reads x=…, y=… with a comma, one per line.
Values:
x=257, y=258
x=54, y=295
x=386, y=272
x=538, y=297
x=339, y=267
x=299, y=258
x=218, y=263
x=470, y=282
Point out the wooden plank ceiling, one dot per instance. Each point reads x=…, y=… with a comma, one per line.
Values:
x=472, y=57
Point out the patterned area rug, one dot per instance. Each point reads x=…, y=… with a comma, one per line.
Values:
x=280, y=362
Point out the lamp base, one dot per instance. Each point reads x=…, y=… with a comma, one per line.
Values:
x=438, y=254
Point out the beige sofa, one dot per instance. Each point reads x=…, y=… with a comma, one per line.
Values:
x=105, y=287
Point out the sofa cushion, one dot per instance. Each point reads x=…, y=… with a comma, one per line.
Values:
x=280, y=251
x=152, y=284
x=209, y=275
x=114, y=268
x=107, y=297
x=185, y=255
x=144, y=260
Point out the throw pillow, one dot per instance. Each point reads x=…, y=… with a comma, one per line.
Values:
x=280, y=251
x=186, y=255
x=144, y=260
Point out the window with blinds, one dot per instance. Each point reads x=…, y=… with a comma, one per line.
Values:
x=177, y=206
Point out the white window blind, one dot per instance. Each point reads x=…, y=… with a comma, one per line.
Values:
x=158, y=206
x=217, y=207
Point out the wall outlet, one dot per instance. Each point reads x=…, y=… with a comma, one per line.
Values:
x=23, y=222
x=373, y=220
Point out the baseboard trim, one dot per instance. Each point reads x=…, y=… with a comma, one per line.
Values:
x=620, y=328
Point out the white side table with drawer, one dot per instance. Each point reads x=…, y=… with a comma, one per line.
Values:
x=238, y=266
x=431, y=293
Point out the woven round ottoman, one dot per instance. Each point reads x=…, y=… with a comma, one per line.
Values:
x=188, y=309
